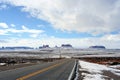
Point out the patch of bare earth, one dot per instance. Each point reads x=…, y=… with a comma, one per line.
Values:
x=81, y=77
x=110, y=75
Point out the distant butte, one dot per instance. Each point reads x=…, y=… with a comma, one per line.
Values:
x=97, y=47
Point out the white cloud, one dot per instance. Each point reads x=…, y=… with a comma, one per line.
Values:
x=32, y=32
x=91, y=16
x=112, y=37
x=40, y=26
x=3, y=41
x=108, y=41
x=12, y=25
x=3, y=25
x=3, y=32
x=24, y=28
x=34, y=35
x=3, y=6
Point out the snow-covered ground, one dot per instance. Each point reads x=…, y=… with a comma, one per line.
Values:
x=56, y=52
x=92, y=71
x=115, y=66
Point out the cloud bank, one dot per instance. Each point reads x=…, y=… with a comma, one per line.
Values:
x=109, y=41
x=89, y=16
x=83, y=16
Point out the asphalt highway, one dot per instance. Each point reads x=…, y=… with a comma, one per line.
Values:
x=57, y=70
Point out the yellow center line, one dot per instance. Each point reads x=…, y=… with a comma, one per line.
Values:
x=38, y=72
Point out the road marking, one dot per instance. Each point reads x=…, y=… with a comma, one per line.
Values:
x=38, y=72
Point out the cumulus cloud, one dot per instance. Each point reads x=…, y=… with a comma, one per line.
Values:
x=91, y=16
x=12, y=25
x=3, y=25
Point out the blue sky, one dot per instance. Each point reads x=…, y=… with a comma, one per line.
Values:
x=81, y=23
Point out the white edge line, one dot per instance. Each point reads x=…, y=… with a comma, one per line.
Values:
x=71, y=74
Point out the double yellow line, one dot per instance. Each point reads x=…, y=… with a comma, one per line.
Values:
x=38, y=72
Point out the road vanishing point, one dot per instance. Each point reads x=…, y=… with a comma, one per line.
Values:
x=57, y=70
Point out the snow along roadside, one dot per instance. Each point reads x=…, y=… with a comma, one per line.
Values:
x=92, y=71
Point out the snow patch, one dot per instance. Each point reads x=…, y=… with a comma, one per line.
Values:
x=115, y=66
x=92, y=71
x=93, y=77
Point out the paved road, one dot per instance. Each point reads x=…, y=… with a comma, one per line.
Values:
x=57, y=70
